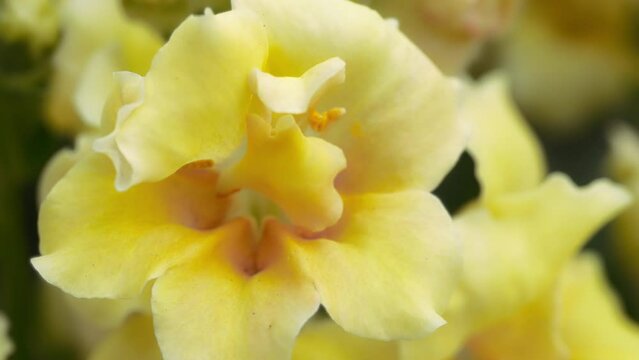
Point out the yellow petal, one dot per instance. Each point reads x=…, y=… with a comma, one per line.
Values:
x=579, y=318
x=399, y=129
x=97, y=242
x=538, y=229
x=6, y=346
x=508, y=158
x=133, y=340
x=592, y=320
x=323, y=339
x=530, y=334
x=295, y=95
x=293, y=170
x=198, y=113
x=386, y=270
x=216, y=308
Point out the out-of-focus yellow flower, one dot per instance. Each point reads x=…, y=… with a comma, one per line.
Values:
x=98, y=39
x=570, y=60
x=521, y=231
x=451, y=32
x=624, y=166
x=579, y=318
x=263, y=176
x=6, y=346
x=35, y=21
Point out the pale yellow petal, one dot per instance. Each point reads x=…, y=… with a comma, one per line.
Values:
x=323, y=339
x=98, y=242
x=295, y=171
x=508, y=158
x=295, y=95
x=538, y=229
x=133, y=340
x=592, y=320
x=194, y=106
x=218, y=307
x=531, y=334
x=387, y=269
x=399, y=129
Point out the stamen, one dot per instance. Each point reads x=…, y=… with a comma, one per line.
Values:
x=319, y=121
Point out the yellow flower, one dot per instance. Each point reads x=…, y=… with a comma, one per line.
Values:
x=451, y=32
x=554, y=50
x=521, y=231
x=35, y=21
x=98, y=38
x=6, y=346
x=276, y=156
x=579, y=318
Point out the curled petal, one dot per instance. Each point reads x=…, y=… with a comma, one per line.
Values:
x=194, y=106
x=293, y=170
x=295, y=95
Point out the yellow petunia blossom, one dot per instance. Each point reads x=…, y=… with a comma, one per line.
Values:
x=275, y=157
x=98, y=38
x=451, y=32
x=6, y=346
x=35, y=21
x=571, y=60
x=517, y=237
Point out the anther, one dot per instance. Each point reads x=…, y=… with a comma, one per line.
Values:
x=319, y=121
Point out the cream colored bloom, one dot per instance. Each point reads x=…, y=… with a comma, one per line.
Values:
x=451, y=32
x=570, y=61
x=271, y=159
x=6, y=346
x=35, y=21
